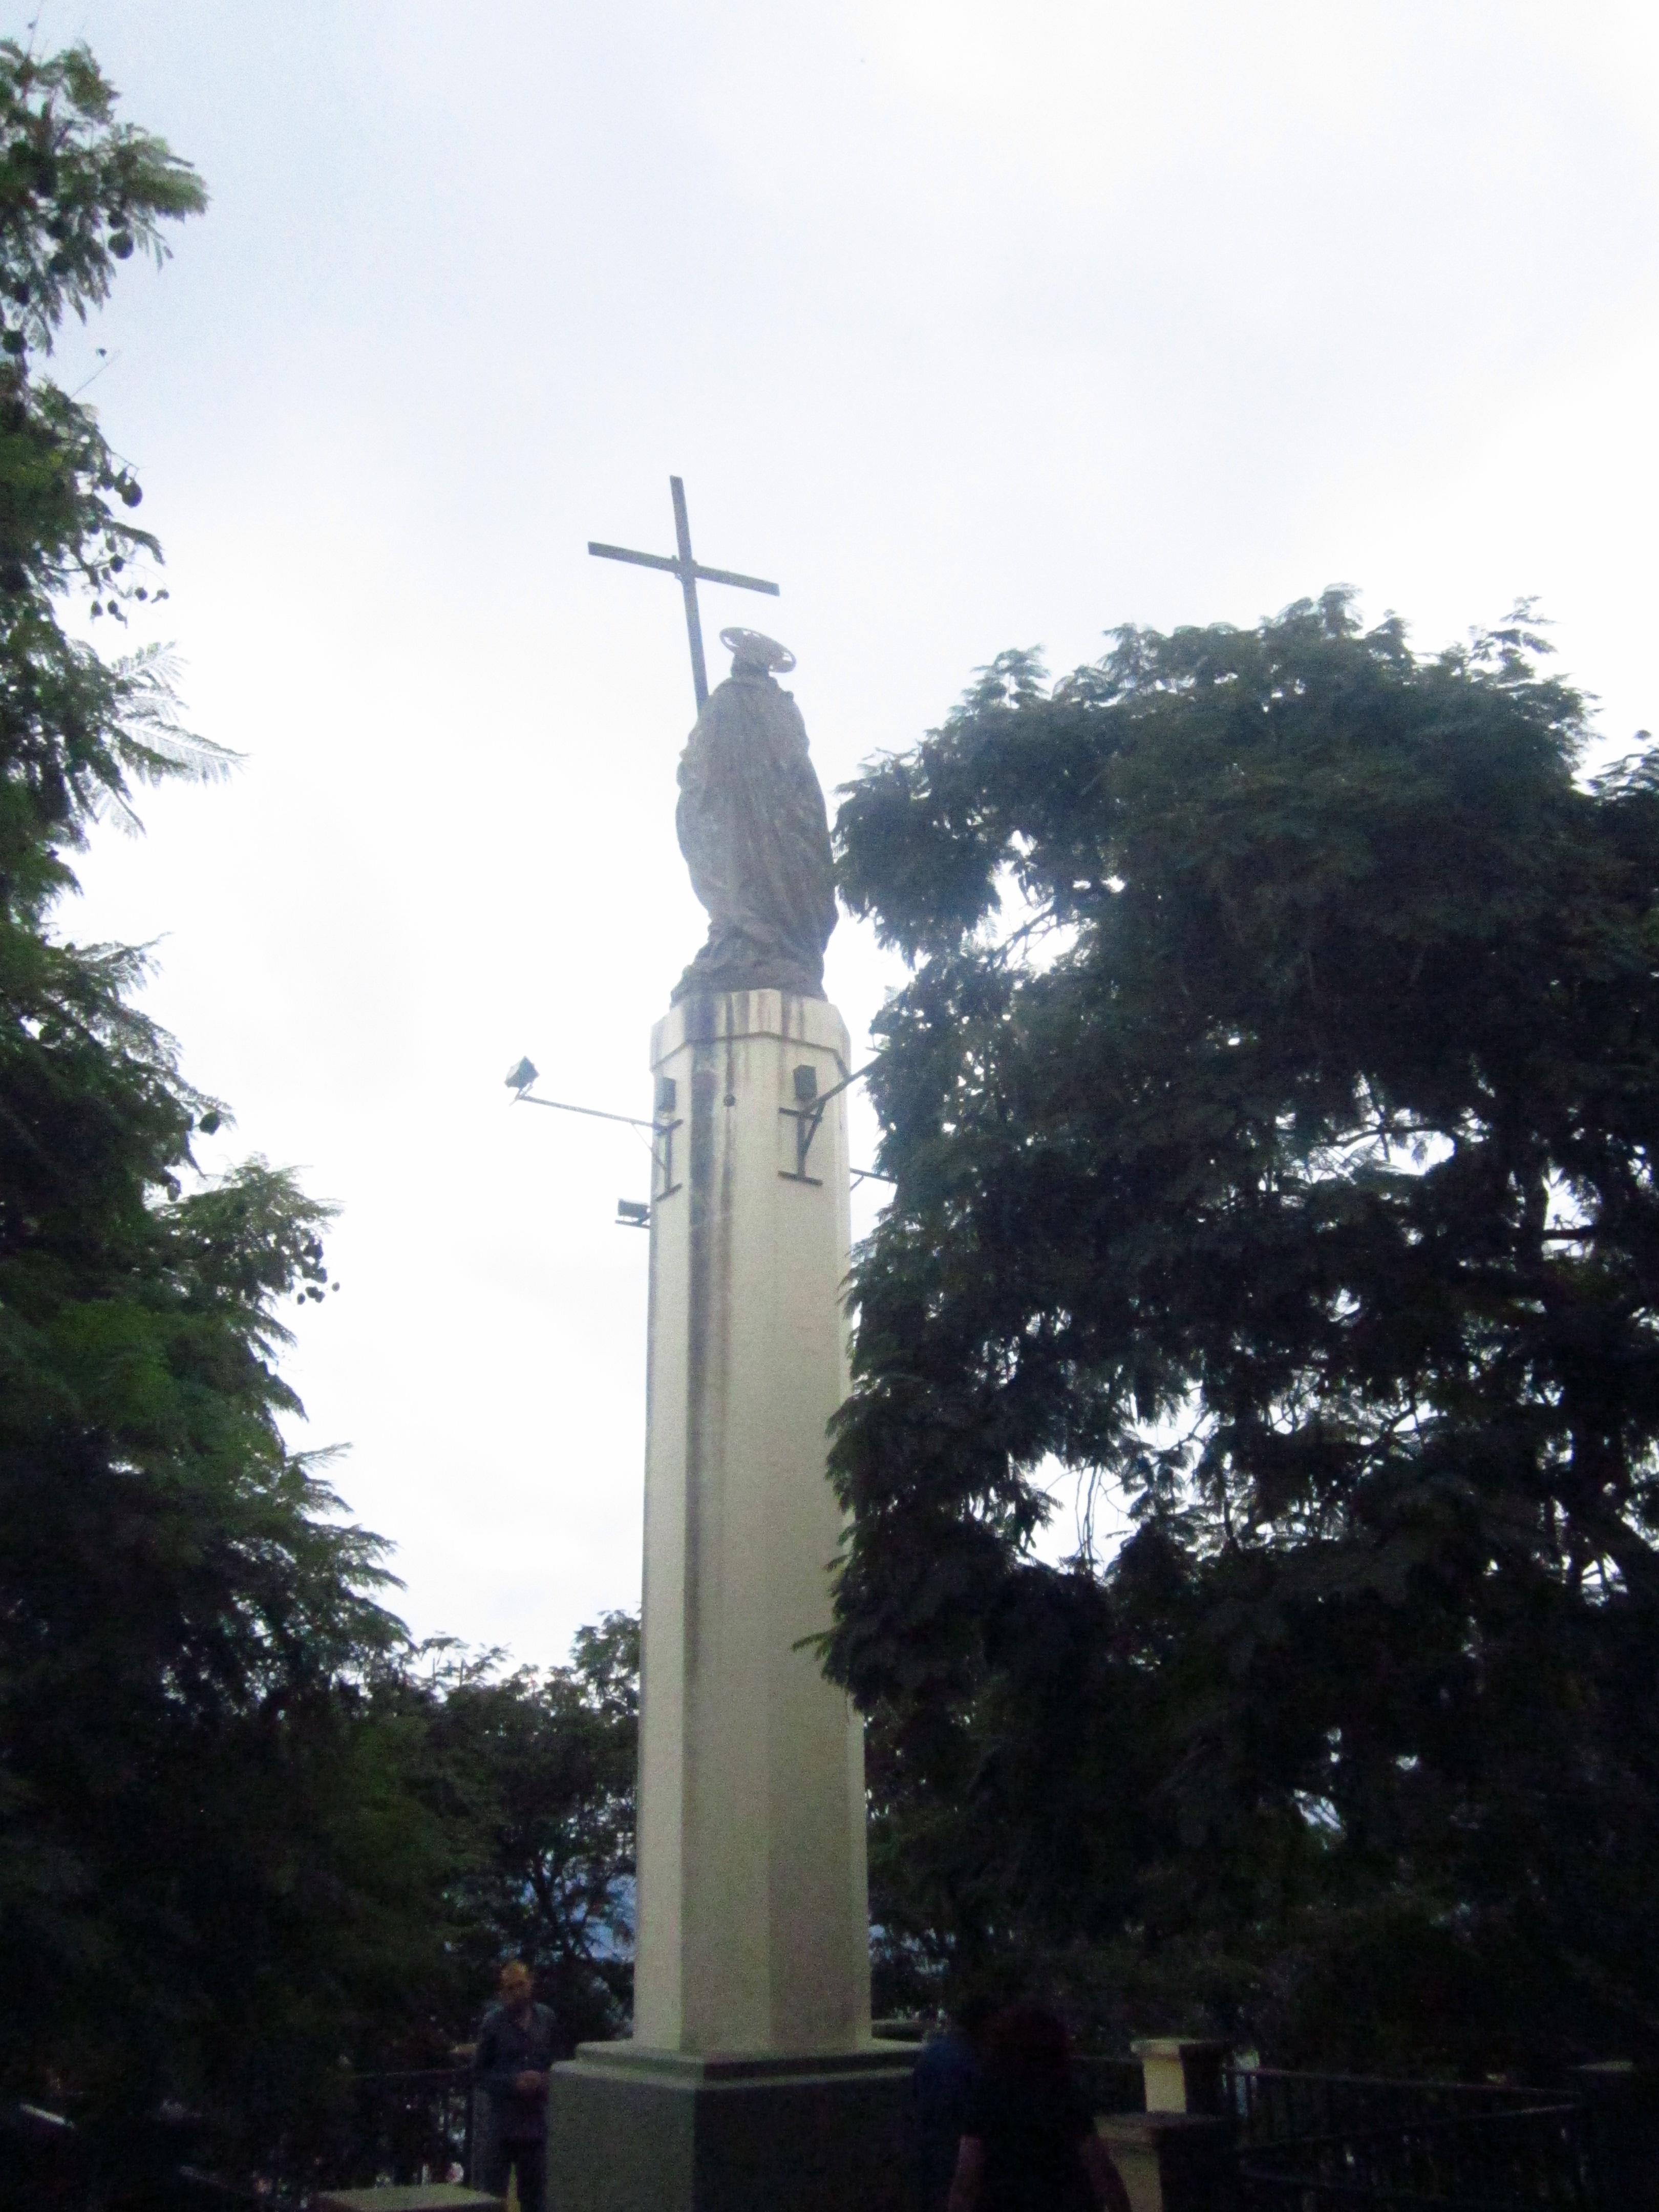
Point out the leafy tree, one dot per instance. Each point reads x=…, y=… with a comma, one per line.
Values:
x=1274, y=1105
x=212, y=1870
x=534, y=1775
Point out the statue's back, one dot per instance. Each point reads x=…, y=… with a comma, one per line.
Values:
x=755, y=834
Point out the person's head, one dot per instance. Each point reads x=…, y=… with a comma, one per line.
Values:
x=517, y=1984
x=1026, y=2045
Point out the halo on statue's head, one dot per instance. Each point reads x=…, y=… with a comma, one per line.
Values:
x=752, y=649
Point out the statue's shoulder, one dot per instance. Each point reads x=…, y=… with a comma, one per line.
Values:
x=728, y=702
x=779, y=709
x=750, y=701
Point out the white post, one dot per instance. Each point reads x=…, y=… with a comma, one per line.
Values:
x=752, y=1911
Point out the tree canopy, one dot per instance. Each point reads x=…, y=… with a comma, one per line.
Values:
x=249, y=1839
x=1273, y=1105
x=534, y=1771
x=199, y=1833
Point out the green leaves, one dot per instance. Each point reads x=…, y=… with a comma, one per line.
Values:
x=535, y=1772
x=1271, y=1108
x=78, y=190
x=215, y=1869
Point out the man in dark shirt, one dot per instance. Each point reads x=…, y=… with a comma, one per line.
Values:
x=517, y=2045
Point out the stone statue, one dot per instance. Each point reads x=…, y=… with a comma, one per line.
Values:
x=753, y=829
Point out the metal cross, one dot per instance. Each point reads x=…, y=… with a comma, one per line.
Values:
x=690, y=572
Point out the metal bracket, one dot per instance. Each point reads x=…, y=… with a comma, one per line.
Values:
x=662, y=1137
x=807, y=1115
x=662, y=1131
x=663, y=1148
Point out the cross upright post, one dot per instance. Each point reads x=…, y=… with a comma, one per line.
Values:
x=690, y=572
x=688, y=586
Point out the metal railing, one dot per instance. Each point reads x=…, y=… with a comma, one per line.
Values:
x=1332, y=2142
x=1276, y=2106
x=411, y=2127
x=1495, y=2160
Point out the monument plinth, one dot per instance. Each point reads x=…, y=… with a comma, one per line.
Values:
x=751, y=2083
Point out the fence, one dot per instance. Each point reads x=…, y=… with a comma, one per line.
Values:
x=389, y=2128
x=405, y=2128
x=1306, y=2142
x=1274, y=2106
x=1317, y=2142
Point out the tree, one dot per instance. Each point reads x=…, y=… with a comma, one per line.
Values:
x=534, y=1774
x=212, y=1870
x=1274, y=1107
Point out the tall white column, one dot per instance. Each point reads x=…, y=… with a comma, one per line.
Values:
x=752, y=1913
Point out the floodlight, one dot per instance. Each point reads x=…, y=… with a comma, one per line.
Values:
x=633, y=1213
x=523, y=1075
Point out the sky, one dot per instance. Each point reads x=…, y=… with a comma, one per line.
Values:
x=973, y=325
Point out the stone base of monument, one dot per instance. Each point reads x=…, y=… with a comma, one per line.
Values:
x=640, y=2130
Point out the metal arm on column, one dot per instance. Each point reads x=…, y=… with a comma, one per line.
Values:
x=808, y=1116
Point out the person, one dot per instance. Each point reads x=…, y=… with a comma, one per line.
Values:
x=1028, y=2138
x=943, y=2080
x=516, y=2046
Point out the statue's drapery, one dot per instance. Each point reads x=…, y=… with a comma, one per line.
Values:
x=755, y=835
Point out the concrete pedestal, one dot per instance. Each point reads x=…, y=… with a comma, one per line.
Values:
x=659, y=2131
x=1173, y=2161
x=1182, y=2073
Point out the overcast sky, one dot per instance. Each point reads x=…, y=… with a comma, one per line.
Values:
x=973, y=325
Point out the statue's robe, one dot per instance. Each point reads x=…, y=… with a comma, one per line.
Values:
x=755, y=835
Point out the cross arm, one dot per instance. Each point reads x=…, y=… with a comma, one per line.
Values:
x=684, y=564
x=728, y=576
x=678, y=567
x=645, y=560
